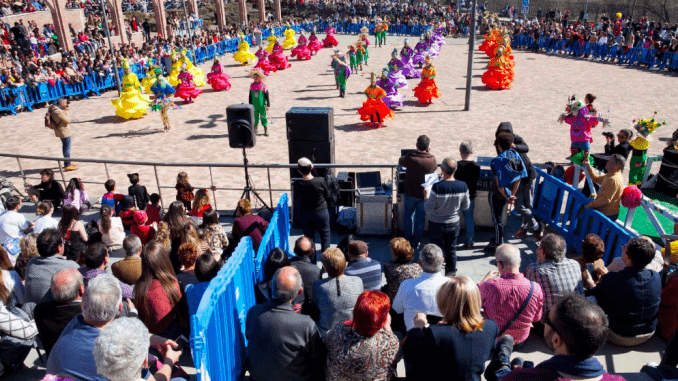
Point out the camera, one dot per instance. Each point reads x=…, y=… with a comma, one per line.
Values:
x=608, y=134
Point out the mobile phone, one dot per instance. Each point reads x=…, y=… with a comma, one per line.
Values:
x=182, y=341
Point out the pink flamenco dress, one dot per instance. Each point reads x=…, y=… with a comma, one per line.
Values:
x=314, y=45
x=278, y=58
x=186, y=89
x=301, y=51
x=265, y=65
x=218, y=79
x=330, y=41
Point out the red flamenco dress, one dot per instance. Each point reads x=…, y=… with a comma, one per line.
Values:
x=500, y=70
x=489, y=46
x=330, y=41
x=186, y=89
x=427, y=88
x=265, y=65
x=278, y=59
x=301, y=51
x=218, y=79
x=374, y=110
x=314, y=45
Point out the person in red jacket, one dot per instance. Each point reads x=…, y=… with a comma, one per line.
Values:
x=248, y=224
x=145, y=232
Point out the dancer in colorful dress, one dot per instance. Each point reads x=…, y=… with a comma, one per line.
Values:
x=278, y=58
x=438, y=35
x=243, y=54
x=314, y=45
x=264, y=64
x=395, y=73
x=420, y=52
x=640, y=145
x=352, y=58
x=360, y=54
x=176, y=69
x=431, y=45
x=196, y=72
x=579, y=118
x=408, y=69
x=341, y=72
x=393, y=98
x=186, y=89
x=301, y=51
x=380, y=33
x=289, y=42
x=217, y=78
x=132, y=104
x=427, y=89
x=374, y=109
x=329, y=40
x=366, y=44
x=163, y=90
x=259, y=98
x=271, y=43
x=149, y=79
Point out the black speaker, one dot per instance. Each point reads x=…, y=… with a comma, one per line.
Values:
x=240, y=120
x=314, y=124
x=317, y=152
x=667, y=178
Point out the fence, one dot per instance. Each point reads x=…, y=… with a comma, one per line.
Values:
x=277, y=235
x=562, y=208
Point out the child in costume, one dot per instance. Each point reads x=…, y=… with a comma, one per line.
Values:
x=278, y=57
x=408, y=68
x=329, y=40
x=374, y=109
x=640, y=145
x=163, y=90
x=438, y=35
x=427, y=89
x=149, y=79
x=359, y=54
x=395, y=63
x=217, y=78
x=580, y=120
x=258, y=98
x=132, y=104
x=366, y=44
x=431, y=45
x=264, y=64
x=420, y=52
x=341, y=72
x=271, y=43
x=353, y=57
x=243, y=54
x=393, y=98
x=301, y=51
x=314, y=45
x=196, y=72
x=289, y=42
x=186, y=89
x=380, y=33
x=395, y=74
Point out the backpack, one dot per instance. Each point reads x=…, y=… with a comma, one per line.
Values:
x=48, y=121
x=333, y=187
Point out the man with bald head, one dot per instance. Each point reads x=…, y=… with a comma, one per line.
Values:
x=282, y=344
x=53, y=316
x=310, y=272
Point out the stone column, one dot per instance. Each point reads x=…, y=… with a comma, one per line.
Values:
x=192, y=6
x=242, y=9
x=220, y=14
x=118, y=19
x=278, y=15
x=160, y=17
x=262, y=10
x=57, y=8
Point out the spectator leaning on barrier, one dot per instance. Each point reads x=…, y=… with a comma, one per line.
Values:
x=612, y=186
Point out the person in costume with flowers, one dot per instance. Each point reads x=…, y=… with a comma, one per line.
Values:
x=640, y=144
x=243, y=54
x=330, y=41
x=395, y=74
x=271, y=43
x=406, y=55
x=149, y=79
x=186, y=89
x=163, y=90
x=420, y=52
x=301, y=51
x=132, y=104
x=278, y=57
x=217, y=78
x=264, y=64
x=341, y=71
x=196, y=72
x=289, y=42
x=393, y=98
x=578, y=116
x=352, y=57
x=380, y=33
x=314, y=44
x=259, y=98
x=365, y=43
x=374, y=109
x=427, y=89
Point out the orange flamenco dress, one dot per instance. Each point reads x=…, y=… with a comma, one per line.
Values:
x=500, y=70
x=374, y=110
x=427, y=88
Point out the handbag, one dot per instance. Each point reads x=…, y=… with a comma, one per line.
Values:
x=518, y=313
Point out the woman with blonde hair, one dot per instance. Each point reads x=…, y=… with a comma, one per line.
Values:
x=458, y=347
x=201, y=202
x=29, y=250
x=400, y=267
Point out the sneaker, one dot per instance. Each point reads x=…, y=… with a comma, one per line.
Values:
x=71, y=167
x=539, y=231
x=522, y=232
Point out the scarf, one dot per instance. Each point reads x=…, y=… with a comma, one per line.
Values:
x=571, y=365
x=258, y=87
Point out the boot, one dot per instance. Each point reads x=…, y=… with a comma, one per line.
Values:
x=265, y=130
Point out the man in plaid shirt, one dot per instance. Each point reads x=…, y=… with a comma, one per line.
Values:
x=557, y=275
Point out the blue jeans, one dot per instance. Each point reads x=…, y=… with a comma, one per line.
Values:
x=414, y=210
x=468, y=221
x=445, y=236
x=66, y=149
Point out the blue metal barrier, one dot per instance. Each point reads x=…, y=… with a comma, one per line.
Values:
x=277, y=235
x=218, y=337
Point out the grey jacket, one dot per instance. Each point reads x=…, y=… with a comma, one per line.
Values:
x=335, y=298
x=39, y=273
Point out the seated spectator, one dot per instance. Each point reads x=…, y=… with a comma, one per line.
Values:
x=13, y=225
x=40, y=270
x=72, y=355
x=458, y=348
x=247, y=224
x=623, y=148
x=53, y=316
x=145, y=232
x=176, y=220
x=361, y=266
x=419, y=294
x=557, y=275
x=335, y=296
x=592, y=250
x=73, y=231
x=76, y=195
x=96, y=262
x=364, y=348
x=400, y=267
x=188, y=253
x=575, y=329
x=128, y=270
x=126, y=213
x=631, y=297
x=48, y=189
x=157, y=294
x=111, y=229
x=216, y=235
x=45, y=220
x=618, y=264
x=162, y=236
x=201, y=203
x=206, y=269
x=310, y=272
x=504, y=292
x=282, y=344
x=275, y=260
x=612, y=184
x=29, y=250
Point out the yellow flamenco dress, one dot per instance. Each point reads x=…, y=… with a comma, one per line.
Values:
x=289, y=42
x=271, y=43
x=176, y=69
x=243, y=54
x=149, y=80
x=132, y=104
x=196, y=72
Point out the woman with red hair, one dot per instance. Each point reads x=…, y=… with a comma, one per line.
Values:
x=364, y=348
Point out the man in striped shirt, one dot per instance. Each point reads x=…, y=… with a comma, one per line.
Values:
x=361, y=266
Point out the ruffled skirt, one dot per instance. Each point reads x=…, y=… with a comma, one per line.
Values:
x=302, y=53
x=330, y=41
x=375, y=110
x=280, y=61
x=498, y=78
x=187, y=90
x=315, y=46
x=131, y=104
x=266, y=67
x=288, y=43
x=219, y=81
x=426, y=90
x=243, y=56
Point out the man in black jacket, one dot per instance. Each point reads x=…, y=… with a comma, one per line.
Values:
x=526, y=191
x=310, y=272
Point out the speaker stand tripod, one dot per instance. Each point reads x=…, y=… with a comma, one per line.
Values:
x=249, y=189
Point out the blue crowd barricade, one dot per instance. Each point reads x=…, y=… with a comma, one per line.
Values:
x=277, y=235
x=218, y=339
x=562, y=207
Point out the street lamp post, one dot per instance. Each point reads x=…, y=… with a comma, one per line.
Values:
x=110, y=46
x=471, y=47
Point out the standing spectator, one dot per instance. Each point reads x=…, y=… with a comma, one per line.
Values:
x=364, y=348
x=137, y=192
x=13, y=225
x=58, y=115
x=40, y=270
x=184, y=190
x=335, y=296
x=45, y=219
x=312, y=194
x=556, y=274
x=147, y=30
x=304, y=251
x=506, y=291
x=129, y=269
x=248, y=224
x=612, y=186
x=281, y=343
x=418, y=164
x=444, y=202
x=468, y=171
x=419, y=294
x=48, y=189
x=362, y=266
x=400, y=267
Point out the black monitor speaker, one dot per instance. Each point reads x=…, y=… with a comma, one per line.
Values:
x=240, y=120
